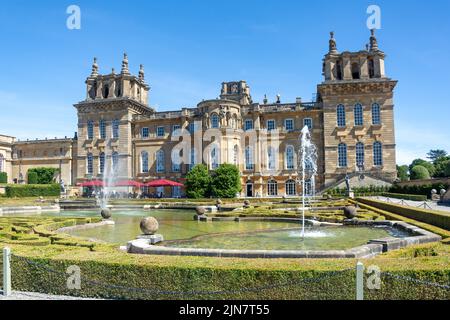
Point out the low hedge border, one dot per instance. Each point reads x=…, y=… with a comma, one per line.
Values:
x=412, y=197
x=435, y=218
x=392, y=216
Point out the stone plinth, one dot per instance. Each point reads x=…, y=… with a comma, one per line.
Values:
x=152, y=239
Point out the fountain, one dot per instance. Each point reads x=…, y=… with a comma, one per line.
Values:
x=307, y=170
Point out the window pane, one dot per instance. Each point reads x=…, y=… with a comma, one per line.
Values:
x=358, y=115
x=308, y=122
x=342, y=155
x=376, y=117
x=341, y=116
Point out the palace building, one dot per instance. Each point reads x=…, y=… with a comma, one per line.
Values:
x=351, y=123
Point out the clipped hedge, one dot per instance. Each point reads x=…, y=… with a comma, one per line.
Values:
x=22, y=191
x=413, y=197
x=3, y=177
x=435, y=218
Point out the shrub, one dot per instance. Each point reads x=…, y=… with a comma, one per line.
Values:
x=420, y=162
x=435, y=218
x=44, y=175
x=198, y=182
x=32, y=177
x=412, y=197
x=3, y=177
x=419, y=172
x=226, y=181
x=424, y=189
x=32, y=190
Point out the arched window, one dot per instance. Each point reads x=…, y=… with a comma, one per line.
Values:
x=144, y=162
x=290, y=158
x=358, y=111
x=271, y=158
x=160, y=161
x=249, y=164
x=371, y=68
x=2, y=163
x=214, y=121
x=214, y=158
x=359, y=154
x=340, y=112
x=355, y=70
x=376, y=116
x=342, y=155
x=291, y=188
x=90, y=163
x=90, y=130
x=377, y=154
x=338, y=70
x=115, y=160
x=236, y=155
x=105, y=91
x=102, y=162
x=115, y=128
x=102, y=129
x=272, y=188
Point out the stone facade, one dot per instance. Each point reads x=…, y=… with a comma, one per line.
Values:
x=118, y=130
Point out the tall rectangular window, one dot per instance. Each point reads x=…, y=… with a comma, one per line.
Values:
x=376, y=116
x=145, y=133
x=308, y=123
x=102, y=129
x=160, y=132
x=342, y=155
x=270, y=125
x=115, y=129
x=248, y=124
x=90, y=130
x=358, y=113
x=340, y=113
x=289, y=125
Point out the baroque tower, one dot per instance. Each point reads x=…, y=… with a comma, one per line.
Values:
x=358, y=114
x=105, y=120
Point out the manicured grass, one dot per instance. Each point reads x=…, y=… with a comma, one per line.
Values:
x=29, y=201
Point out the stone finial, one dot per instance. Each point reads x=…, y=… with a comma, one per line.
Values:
x=141, y=72
x=278, y=98
x=367, y=47
x=94, y=68
x=332, y=43
x=125, y=69
x=373, y=41
x=113, y=71
x=265, y=99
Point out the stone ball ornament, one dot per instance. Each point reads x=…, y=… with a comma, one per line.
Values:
x=443, y=192
x=149, y=225
x=201, y=210
x=350, y=212
x=433, y=191
x=106, y=213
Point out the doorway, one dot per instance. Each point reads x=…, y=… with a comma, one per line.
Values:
x=249, y=192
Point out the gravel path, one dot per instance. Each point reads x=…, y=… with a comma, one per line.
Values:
x=17, y=295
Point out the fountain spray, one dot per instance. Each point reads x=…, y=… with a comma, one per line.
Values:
x=307, y=168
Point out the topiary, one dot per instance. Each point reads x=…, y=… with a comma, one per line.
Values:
x=419, y=173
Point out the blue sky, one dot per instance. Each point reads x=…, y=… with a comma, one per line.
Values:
x=190, y=47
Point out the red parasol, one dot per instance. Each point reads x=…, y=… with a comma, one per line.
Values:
x=163, y=183
x=128, y=183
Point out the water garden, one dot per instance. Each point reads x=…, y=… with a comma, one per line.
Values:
x=303, y=247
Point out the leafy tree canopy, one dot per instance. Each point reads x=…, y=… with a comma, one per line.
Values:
x=419, y=172
x=434, y=155
x=226, y=181
x=198, y=182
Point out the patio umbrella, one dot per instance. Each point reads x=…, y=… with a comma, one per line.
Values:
x=128, y=183
x=163, y=183
x=93, y=183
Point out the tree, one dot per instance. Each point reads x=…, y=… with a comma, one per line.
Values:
x=226, y=181
x=402, y=173
x=447, y=169
x=44, y=175
x=440, y=166
x=32, y=177
x=419, y=173
x=198, y=182
x=434, y=155
x=420, y=162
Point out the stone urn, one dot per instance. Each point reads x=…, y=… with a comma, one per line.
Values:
x=218, y=204
x=443, y=192
x=350, y=212
x=246, y=204
x=201, y=210
x=106, y=213
x=149, y=226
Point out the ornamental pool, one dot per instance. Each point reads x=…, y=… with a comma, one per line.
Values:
x=180, y=230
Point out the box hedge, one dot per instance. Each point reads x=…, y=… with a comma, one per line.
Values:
x=436, y=218
x=3, y=177
x=21, y=191
x=413, y=197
